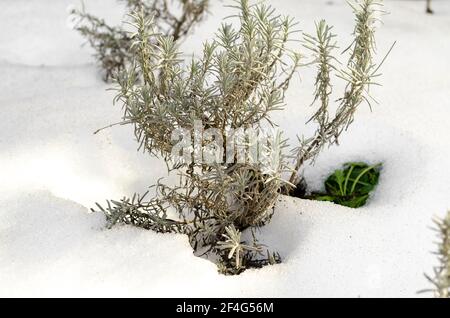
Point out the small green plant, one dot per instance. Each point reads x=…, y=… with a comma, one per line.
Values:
x=350, y=186
x=441, y=275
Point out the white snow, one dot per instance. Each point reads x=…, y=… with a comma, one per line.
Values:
x=53, y=169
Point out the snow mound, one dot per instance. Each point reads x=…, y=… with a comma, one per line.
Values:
x=53, y=169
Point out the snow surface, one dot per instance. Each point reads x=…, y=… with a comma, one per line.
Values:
x=52, y=169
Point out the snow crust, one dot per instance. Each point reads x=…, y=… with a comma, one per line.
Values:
x=53, y=169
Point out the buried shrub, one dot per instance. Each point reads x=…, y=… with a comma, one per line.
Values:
x=239, y=80
x=350, y=187
x=187, y=114
x=113, y=44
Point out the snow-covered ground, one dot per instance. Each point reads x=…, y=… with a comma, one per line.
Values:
x=53, y=169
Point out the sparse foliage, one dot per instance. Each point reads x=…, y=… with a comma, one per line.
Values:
x=359, y=74
x=441, y=275
x=113, y=44
x=429, y=10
